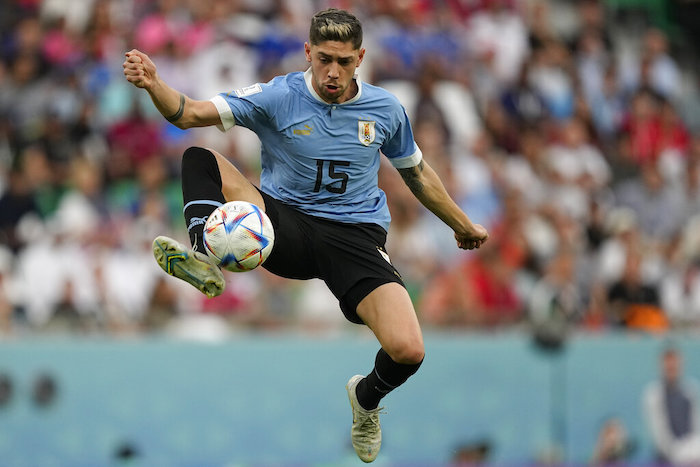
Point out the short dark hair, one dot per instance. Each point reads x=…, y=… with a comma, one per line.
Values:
x=335, y=25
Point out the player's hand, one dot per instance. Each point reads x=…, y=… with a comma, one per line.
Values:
x=472, y=239
x=139, y=70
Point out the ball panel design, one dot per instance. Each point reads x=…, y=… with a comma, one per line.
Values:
x=238, y=236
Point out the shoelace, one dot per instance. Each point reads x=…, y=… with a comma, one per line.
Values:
x=368, y=423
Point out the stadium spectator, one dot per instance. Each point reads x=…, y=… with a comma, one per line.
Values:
x=15, y=203
x=593, y=60
x=680, y=295
x=642, y=126
x=607, y=106
x=558, y=292
x=551, y=76
x=670, y=408
x=633, y=302
x=657, y=69
x=522, y=102
x=577, y=169
x=498, y=38
x=657, y=206
x=526, y=171
x=613, y=446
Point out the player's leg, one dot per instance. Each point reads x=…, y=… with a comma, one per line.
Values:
x=208, y=181
x=388, y=311
x=354, y=264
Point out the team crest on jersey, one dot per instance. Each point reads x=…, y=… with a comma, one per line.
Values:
x=365, y=131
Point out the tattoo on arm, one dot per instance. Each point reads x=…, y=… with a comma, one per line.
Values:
x=411, y=177
x=178, y=115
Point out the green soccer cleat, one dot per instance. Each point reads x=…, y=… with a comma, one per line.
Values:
x=190, y=266
x=366, y=433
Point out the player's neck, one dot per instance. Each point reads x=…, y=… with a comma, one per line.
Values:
x=352, y=91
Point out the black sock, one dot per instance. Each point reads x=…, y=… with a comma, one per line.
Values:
x=386, y=376
x=201, y=191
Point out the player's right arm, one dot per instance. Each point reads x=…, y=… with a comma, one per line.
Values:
x=177, y=108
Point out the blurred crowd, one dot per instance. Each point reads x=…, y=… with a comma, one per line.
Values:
x=570, y=129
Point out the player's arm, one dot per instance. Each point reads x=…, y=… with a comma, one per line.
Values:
x=177, y=108
x=428, y=188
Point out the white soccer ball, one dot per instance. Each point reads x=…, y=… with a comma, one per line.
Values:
x=238, y=236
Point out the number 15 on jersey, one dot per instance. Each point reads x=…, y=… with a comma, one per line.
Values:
x=339, y=182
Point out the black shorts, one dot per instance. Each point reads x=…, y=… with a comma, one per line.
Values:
x=350, y=258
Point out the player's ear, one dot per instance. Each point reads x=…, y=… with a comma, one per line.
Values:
x=307, y=51
x=360, y=56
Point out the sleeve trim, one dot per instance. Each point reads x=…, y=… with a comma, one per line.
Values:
x=227, y=119
x=408, y=161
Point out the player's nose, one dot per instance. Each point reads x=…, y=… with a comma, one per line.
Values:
x=334, y=71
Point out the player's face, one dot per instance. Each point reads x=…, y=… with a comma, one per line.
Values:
x=333, y=65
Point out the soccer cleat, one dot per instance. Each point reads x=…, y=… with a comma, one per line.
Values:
x=190, y=266
x=366, y=433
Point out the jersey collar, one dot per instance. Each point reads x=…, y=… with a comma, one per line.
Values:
x=314, y=94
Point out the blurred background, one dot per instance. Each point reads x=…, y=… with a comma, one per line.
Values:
x=570, y=129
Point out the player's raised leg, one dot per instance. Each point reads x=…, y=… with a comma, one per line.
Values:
x=388, y=311
x=208, y=181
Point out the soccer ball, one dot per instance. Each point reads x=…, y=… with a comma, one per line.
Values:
x=238, y=236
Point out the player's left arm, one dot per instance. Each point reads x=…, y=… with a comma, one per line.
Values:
x=425, y=185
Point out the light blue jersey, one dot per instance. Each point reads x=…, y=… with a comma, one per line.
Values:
x=323, y=158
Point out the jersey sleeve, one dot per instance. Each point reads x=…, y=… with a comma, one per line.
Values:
x=401, y=148
x=249, y=107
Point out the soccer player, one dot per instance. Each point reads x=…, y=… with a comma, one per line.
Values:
x=322, y=133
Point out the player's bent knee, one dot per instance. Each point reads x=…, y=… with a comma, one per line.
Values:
x=193, y=153
x=407, y=353
x=198, y=161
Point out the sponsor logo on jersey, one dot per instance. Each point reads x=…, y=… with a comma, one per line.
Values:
x=365, y=131
x=306, y=131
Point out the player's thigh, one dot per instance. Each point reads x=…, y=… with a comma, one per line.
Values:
x=234, y=185
x=292, y=252
x=389, y=313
